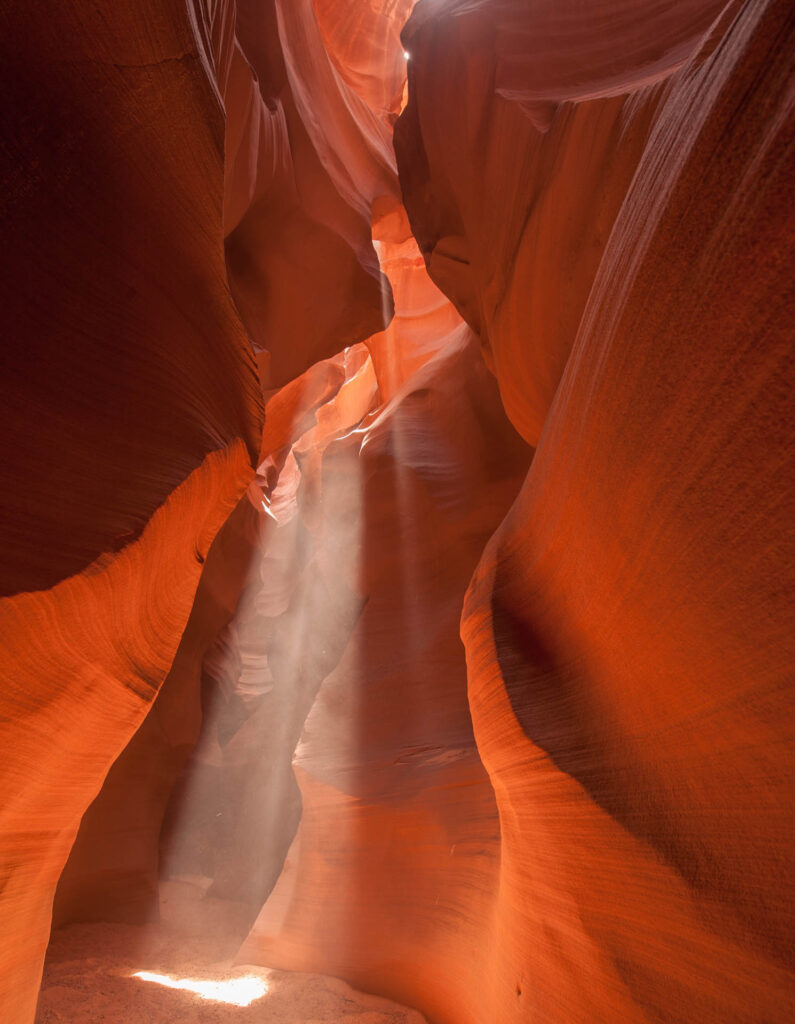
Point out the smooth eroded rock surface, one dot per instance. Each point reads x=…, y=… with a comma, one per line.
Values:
x=504, y=740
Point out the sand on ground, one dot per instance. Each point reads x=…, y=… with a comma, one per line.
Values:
x=89, y=975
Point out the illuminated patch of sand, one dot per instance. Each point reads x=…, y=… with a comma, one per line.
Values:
x=236, y=991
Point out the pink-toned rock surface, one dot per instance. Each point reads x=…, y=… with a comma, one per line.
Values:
x=306, y=155
x=363, y=43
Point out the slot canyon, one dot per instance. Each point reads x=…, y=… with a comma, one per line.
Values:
x=397, y=535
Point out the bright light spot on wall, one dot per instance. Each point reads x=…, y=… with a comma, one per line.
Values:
x=406, y=54
x=236, y=991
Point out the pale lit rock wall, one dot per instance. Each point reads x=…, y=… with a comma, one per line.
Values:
x=306, y=156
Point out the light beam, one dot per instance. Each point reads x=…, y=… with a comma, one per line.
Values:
x=234, y=991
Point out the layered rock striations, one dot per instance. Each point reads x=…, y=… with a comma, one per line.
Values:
x=628, y=630
x=130, y=414
x=523, y=131
x=124, y=362
x=581, y=813
x=82, y=662
x=112, y=873
x=619, y=245
x=132, y=410
x=306, y=155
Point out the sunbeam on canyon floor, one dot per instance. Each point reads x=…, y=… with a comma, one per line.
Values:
x=235, y=991
x=181, y=970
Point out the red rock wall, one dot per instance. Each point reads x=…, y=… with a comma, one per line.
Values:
x=628, y=639
x=132, y=411
x=524, y=128
x=609, y=213
x=113, y=262
x=305, y=158
x=582, y=814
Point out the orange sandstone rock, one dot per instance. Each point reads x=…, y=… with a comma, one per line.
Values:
x=83, y=662
x=114, y=866
x=306, y=157
x=584, y=812
x=398, y=842
x=523, y=131
x=131, y=414
x=619, y=242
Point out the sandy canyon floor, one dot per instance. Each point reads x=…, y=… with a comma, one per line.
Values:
x=181, y=971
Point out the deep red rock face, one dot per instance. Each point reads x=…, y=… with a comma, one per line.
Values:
x=109, y=231
x=626, y=634
x=582, y=812
x=130, y=413
x=523, y=132
x=132, y=410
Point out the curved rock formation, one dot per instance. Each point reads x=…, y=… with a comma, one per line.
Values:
x=131, y=407
x=306, y=157
x=228, y=466
x=83, y=662
x=627, y=637
x=399, y=838
x=130, y=414
x=628, y=633
x=113, y=869
x=125, y=363
x=523, y=132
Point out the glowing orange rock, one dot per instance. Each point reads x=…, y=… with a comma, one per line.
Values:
x=84, y=661
x=113, y=870
x=363, y=41
x=585, y=814
x=131, y=414
x=424, y=320
x=629, y=628
x=398, y=841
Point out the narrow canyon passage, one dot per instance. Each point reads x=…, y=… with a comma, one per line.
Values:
x=396, y=619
